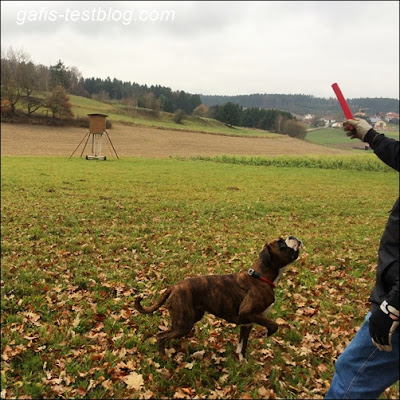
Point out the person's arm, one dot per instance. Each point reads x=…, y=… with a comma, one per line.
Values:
x=384, y=319
x=385, y=148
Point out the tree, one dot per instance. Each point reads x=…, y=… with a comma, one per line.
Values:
x=59, y=75
x=294, y=129
x=166, y=104
x=278, y=123
x=11, y=75
x=101, y=96
x=231, y=114
x=268, y=120
x=43, y=77
x=30, y=85
x=152, y=102
x=178, y=116
x=58, y=103
x=75, y=79
x=200, y=111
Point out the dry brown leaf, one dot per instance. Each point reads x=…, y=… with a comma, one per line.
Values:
x=198, y=355
x=81, y=391
x=107, y=384
x=133, y=381
x=266, y=393
x=189, y=365
x=76, y=321
x=322, y=367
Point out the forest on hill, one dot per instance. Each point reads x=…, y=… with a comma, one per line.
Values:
x=304, y=104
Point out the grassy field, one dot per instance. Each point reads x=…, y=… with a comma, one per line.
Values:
x=334, y=137
x=80, y=239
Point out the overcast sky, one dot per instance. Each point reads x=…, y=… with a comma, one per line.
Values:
x=223, y=48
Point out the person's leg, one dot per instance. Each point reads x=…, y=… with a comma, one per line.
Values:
x=363, y=371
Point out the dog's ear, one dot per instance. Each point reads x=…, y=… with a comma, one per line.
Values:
x=265, y=256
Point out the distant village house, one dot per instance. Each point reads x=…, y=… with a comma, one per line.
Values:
x=377, y=123
x=391, y=115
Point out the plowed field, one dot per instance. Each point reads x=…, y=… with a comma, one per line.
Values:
x=129, y=141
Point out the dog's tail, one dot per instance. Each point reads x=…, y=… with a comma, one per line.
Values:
x=154, y=307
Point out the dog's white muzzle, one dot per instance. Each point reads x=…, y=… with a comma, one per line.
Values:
x=294, y=243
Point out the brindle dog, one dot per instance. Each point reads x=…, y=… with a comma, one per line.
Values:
x=243, y=298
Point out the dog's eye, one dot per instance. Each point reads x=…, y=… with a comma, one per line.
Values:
x=282, y=243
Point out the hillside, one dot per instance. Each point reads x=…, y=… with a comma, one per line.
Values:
x=120, y=112
x=129, y=115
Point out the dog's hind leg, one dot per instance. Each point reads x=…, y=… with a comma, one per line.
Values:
x=243, y=338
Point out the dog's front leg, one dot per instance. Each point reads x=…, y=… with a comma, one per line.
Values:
x=259, y=319
x=248, y=315
x=243, y=338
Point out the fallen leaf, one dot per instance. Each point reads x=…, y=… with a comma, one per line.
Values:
x=189, y=365
x=81, y=391
x=76, y=321
x=198, y=355
x=107, y=384
x=322, y=367
x=133, y=381
x=267, y=393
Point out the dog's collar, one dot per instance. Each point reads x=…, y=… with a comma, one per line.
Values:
x=255, y=274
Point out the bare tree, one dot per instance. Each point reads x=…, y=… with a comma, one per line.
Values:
x=43, y=77
x=75, y=77
x=30, y=86
x=11, y=76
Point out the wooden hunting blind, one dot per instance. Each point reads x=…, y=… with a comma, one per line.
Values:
x=97, y=123
x=97, y=128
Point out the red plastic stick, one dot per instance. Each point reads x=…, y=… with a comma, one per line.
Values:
x=342, y=101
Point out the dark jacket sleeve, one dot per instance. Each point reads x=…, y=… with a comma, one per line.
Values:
x=387, y=275
x=387, y=149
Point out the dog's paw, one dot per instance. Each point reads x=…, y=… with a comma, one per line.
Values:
x=272, y=330
x=242, y=359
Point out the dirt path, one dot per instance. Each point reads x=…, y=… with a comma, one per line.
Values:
x=34, y=140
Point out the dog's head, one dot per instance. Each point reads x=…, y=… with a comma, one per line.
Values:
x=281, y=252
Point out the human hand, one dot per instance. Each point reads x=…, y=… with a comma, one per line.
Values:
x=382, y=323
x=361, y=127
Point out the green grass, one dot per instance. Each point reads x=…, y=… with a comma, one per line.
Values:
x=332, y=137
x=360, y=162
x=80, y=239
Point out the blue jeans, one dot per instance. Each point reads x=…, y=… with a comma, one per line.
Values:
x=363, y=371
